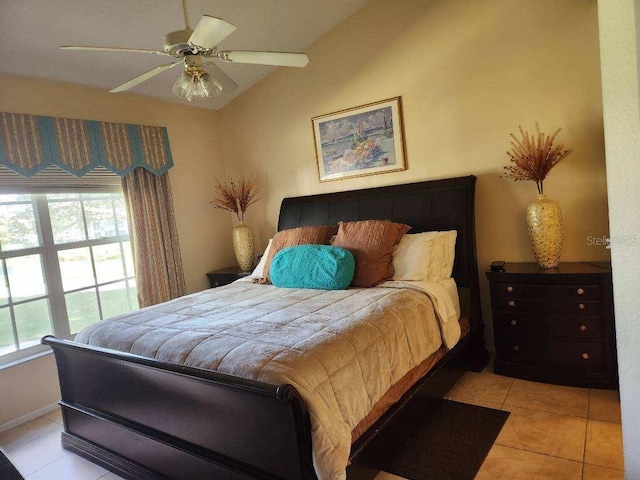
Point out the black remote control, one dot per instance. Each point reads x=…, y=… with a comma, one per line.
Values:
x=497, y=266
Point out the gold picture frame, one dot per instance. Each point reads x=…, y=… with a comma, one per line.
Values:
x=359, y=141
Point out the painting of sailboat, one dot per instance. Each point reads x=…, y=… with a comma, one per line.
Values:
x=360, y=141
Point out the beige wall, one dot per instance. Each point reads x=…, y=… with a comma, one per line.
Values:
x=620, y=51
x=469, y=72
x=28, y=387
x=204, y=232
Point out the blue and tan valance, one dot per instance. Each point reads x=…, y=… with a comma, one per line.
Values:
x=31, y=143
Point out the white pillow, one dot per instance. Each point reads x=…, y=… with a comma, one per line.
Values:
x=443, y=254
x=259, y=270
x=427, y=256
x=412, y=256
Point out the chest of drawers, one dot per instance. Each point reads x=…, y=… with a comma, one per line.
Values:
x=555, y=325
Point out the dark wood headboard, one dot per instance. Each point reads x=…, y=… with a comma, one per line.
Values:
x=427, y=206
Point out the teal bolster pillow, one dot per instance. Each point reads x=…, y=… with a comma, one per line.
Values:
x=321, y=267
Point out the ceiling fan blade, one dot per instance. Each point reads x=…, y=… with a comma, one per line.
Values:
x=145, y=76
x=115, y=49
x=227, y=84
x=210, y=31
x=265, y=58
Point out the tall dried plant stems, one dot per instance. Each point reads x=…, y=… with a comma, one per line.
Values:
x=532, y=157
x=236, y=195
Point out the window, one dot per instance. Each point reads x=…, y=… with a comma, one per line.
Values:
x=65, y=263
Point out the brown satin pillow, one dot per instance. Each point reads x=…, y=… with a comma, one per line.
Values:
x=297, y=236
x=372, y=243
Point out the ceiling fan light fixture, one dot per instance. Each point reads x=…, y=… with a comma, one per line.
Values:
x=195, y=85
x=210, y=86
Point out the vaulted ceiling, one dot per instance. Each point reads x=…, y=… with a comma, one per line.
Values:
x=32, y=30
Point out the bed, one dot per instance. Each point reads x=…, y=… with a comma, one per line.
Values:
x=149, y=419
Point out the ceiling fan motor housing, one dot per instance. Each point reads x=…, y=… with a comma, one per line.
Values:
x=177, y=43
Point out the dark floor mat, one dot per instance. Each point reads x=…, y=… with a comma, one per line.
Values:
x=433, y=439
x=7, y=470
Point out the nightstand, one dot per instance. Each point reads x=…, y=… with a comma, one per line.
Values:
x=218, y=278
x=555, y=325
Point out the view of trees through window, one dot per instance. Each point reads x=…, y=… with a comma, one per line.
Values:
x=65, y=263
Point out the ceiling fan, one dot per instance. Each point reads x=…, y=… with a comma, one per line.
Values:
x=193, y=48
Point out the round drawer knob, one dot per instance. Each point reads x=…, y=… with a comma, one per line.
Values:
x=509, y=289
x=585, y=356
x=582, y=306
x=514, y=322
x=583, y=328
x=516, y=348
x=580, y=291
x=512, y=303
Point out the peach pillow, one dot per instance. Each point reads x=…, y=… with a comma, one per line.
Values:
x=297, y=236
x=372, y=243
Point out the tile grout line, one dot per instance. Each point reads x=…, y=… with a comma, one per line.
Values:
x=45, y=466
x=7, y=451
x=41, y=417
x=539, y=453
x=605, y=421
x=109, y=472
x=586, y=430
x=508, y=392
x=547, y=411
x=606, y=467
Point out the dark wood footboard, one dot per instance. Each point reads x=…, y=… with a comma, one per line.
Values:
x=178, y=422
x=148, y=420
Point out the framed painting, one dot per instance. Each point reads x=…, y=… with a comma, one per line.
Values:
x=364, y=140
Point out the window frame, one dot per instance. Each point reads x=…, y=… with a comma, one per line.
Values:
x=48, y=250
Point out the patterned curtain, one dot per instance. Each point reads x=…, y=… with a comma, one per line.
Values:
x=154, y=237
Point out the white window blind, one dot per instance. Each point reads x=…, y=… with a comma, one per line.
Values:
x=53, y=178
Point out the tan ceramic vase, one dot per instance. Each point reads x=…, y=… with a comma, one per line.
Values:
x=243, y=246
x=544, y=220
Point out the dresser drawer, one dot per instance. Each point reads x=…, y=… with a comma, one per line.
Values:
x=545, y=292
x=517, y=326
x=506, y=305
x=549, y=325
x=575, y=326
x=560, y=354
x=569, y=354
x=519, y=350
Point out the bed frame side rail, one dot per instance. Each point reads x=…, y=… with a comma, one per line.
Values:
x=185, y=422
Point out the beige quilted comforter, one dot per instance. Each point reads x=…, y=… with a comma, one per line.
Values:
x=341, y=349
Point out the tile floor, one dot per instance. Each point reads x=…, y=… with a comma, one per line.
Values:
x=34, y=448
x=553, y=433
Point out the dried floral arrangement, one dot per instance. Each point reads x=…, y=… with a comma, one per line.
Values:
x=533, y=156
x=235, y=195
